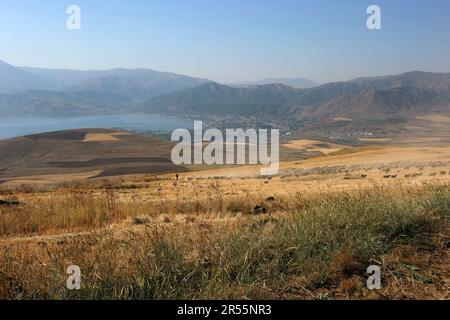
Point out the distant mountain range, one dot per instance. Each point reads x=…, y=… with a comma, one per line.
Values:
x=214, y=98
x=366, y=102
x=50, y=92
x=131, y=84
x=361, y=102
x=13, y=79
x=56, y=103
x=300, y=83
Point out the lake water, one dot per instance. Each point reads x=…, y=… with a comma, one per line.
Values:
x=15, y=126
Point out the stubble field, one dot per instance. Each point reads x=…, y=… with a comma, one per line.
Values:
x=308, y=233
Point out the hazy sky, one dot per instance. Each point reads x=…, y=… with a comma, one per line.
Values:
x=230, y=40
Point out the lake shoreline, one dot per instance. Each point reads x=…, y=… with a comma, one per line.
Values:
x=12, y=127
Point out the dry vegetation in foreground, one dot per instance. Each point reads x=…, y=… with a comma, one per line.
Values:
x=308, y=246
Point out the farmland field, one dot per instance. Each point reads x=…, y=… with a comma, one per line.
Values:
x=325, y=220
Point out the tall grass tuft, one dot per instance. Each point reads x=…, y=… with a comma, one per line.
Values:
x=322, y=238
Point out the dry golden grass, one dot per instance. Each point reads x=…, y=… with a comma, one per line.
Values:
x=43, y=180
x=435, y=118
x=342, y=119
x=314, y=146
x=105, y=137
x=305, y=246
x=374, y=139
x=152, y=237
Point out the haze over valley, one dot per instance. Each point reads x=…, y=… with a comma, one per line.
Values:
x=377, y=105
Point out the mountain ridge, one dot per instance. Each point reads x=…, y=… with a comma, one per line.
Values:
x=138, y=83
x=298, y=82
x=395, y=97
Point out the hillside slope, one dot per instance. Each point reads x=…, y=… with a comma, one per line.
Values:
x=13, y=79
x=388, y=99
x=98, y=152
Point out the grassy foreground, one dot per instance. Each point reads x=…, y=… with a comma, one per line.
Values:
x=306, y=247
